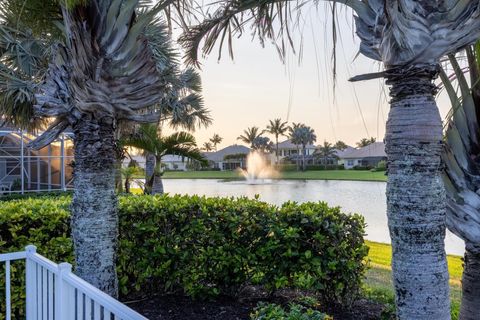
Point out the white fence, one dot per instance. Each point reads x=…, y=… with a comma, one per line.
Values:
x=53, y=292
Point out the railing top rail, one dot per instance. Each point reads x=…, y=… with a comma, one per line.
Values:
x=113, y=305
x=104, y=299
x=12, y=256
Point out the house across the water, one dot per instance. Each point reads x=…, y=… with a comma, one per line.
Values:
x=368, y=156
x=228, y=158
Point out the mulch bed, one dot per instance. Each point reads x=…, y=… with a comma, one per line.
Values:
x=173, y=307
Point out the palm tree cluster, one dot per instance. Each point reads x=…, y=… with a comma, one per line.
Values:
x=365, y=142
x=298, y=133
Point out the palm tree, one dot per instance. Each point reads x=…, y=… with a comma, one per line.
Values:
x=128, y=173
x=262, y=144
x=303, y=136
x=249, y=135
x=291, y=129
x=340, y=145
x=216, y=139
x=182, y=107
x=327, y=151
x=277, y=128
x=408, y=37
x=100, y=69
x=462, y=174
x=149, y=140
x=207, y=146
x=365, y=142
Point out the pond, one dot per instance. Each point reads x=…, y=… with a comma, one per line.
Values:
x=366, y=198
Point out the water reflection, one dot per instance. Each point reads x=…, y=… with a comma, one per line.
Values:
x=366, y=198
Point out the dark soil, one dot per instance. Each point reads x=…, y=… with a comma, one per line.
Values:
x=172, y=307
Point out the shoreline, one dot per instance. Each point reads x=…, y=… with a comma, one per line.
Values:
x=339, y=175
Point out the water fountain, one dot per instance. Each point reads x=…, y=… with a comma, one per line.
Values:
x=258, y=169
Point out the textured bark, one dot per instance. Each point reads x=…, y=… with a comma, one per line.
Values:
x=157, y=187
x=118, y=176
x=416, y=197
x=149, y=171
x=94, y=205
x=127, y=185
x=470, y=308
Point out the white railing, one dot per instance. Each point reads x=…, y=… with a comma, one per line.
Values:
x=53, y=292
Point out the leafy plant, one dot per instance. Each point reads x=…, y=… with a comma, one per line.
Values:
x=296, y=312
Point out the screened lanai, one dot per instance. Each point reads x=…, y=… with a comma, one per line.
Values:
x=25, y=170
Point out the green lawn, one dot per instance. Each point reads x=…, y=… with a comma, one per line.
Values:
x=379, y=276
x=307, y=175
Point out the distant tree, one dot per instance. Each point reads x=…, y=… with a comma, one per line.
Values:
x=291, y=129
x=262, y=144
x=128, y=173
x=365, y=142
x=207, y=146
x=277, y=128
x=216, y=139
x=340, y=145
x=149, y=140
x=326, y=151
x=303, y=136
x=249, y=135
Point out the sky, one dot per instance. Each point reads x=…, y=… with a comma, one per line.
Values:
x=256, y=86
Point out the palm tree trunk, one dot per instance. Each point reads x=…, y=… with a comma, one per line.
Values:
x=276, y=143
x=416, y=196
x=298, y=158
x=94, y=204
x=303, y=158
x=127, y=185
x=157, y=187
x=471, y=285
x=118, y=175
x=149, y=171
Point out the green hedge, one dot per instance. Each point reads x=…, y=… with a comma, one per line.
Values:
x=207, y=246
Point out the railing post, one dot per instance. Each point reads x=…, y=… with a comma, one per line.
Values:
x=8, y=301
x=30, y=280
x=62, y=302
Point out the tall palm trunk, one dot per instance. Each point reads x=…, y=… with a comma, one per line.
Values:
x=149, y=171
x=276, y=144
x=471, y=285
x=415, y=196
x=118, y=175
x=94, y=204
x=298, y=159
x=157, y=183
x=157, y=187
x=303, y=158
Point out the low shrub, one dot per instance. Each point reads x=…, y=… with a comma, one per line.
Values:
x=28, y=195
x=362, y=168
x=207, y=246
x=296, y=312
x=286, y=167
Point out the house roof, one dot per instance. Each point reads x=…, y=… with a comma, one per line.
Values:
x=287, y=144
x=376, y=149
x=218, y=156
x=342, y=153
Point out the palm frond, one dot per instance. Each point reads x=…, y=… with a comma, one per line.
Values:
x=461, y=154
